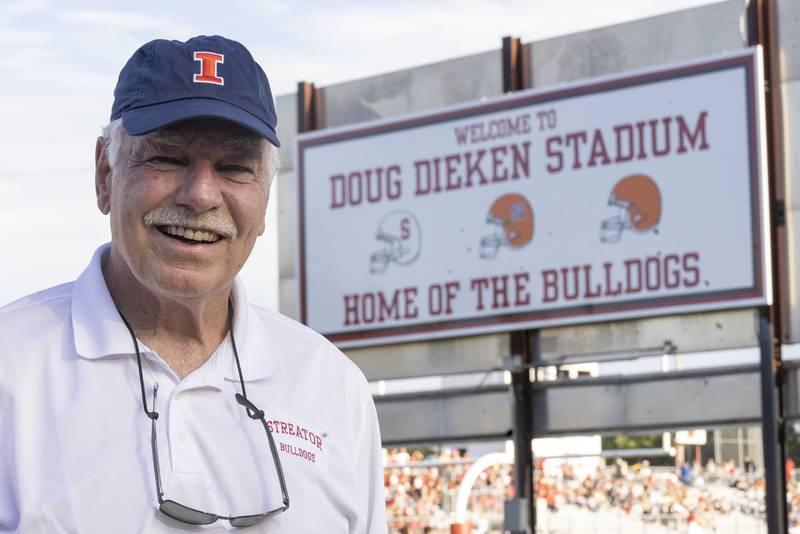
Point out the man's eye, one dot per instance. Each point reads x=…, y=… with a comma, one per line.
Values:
x=166, y=160
x=234, y=168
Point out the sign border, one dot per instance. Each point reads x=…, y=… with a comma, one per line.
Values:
x=757, y=294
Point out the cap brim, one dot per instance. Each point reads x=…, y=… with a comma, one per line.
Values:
x=143, y=120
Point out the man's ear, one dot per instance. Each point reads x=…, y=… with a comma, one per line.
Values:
x=263, y=226
x=102, y=176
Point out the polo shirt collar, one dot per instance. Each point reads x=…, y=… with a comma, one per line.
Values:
x=99, y=332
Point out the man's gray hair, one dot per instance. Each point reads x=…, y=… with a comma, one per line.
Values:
x=114, y=135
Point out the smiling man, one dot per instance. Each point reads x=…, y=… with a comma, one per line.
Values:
x=148, y=395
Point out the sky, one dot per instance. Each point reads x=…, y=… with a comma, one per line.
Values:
x=61, y=60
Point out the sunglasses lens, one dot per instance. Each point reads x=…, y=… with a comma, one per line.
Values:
x=247, y=520
x=185, y=514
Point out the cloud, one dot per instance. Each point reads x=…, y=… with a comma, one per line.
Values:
x=22, y=38
x=17, y=7
x=119, y=21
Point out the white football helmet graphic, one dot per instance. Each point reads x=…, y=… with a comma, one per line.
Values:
x=514, y=216
x=402, y=241
x=637, y=201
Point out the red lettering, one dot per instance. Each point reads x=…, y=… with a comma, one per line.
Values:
x=607, y=266
x=440, y=298
x=437, y=178
x=450, y=291
x=499, y=292
x=598, y=150
x=690, y=266
x=640, y=131
x=354, y=184
x=351, y=310
x=565, y=271
x=654, y=136
x=573, y=138
x=478, y=285
x=453, y=180
x=521, y=160
x=475, y=167
x=618, y=130
x=521, y=295
x=652, y=277
x=393, y=182
x=550, y=285
x=410, y=294
x=497, y=164
x=554, y=153
x=587, y=279
x=368, y=308
x=699, y=132
x=423, y=185
x=388, y=310
x=374, y=193
x=633, y=284
x=672, y=276
x=337, y=201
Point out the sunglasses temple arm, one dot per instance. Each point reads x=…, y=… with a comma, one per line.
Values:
x=259, y=415
x=277, y=460
x=154, y=447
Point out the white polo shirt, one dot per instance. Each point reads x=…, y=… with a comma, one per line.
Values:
x=75, y=442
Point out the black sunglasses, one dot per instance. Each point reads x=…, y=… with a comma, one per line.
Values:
x=184, y=513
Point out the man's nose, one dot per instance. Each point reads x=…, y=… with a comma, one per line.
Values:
x=200, y=189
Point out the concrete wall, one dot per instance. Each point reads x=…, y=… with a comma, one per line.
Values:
x=683, y=35
x=678, y=36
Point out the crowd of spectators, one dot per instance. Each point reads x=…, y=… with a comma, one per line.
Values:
x=421, y=491
x=687, y=496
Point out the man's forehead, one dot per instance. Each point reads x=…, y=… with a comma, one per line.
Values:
x=205, y=128
x=220, y=133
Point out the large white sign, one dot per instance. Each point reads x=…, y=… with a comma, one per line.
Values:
x=621, y=197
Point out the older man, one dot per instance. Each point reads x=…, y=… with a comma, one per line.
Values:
x=148, y=395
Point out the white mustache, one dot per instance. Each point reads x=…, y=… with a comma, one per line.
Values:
x=178, y=216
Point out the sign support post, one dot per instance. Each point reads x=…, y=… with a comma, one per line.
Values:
x=524, y=349
x=762, y=30
x=772, y=429
x=525, y=343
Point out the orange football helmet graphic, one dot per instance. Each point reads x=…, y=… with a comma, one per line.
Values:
x=513, y=214
x=639, y=203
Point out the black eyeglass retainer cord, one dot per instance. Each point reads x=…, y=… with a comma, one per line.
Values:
x=253, y=412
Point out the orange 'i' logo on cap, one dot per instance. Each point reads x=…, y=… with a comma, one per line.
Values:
x=208, y=67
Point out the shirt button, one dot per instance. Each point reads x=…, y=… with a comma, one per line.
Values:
x=182, y=437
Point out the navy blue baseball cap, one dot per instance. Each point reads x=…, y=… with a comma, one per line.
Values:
x=166, y=82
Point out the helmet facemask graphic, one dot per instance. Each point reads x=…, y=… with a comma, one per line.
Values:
x=402, y=242
x=611, y=228
x=513, y=215
x=636, y=202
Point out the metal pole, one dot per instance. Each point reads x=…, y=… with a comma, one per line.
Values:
x=762, y=17
x=771, y=434
x=526, y=342
x=523, y=344
x=307, y=107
